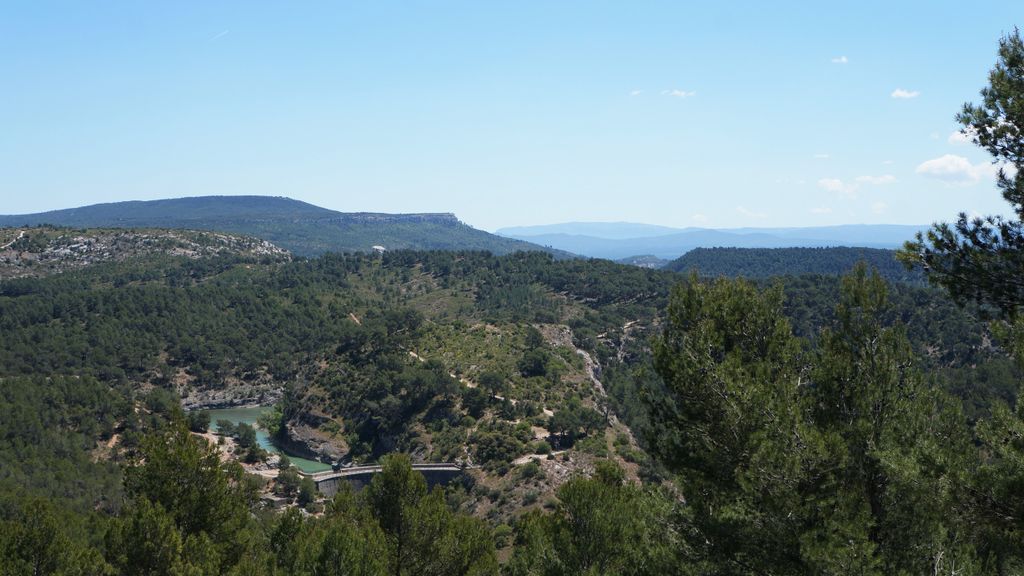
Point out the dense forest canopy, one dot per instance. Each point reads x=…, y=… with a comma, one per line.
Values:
x=768, y=262
x=336, y=332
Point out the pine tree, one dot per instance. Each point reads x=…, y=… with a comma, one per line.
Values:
x=982, y=259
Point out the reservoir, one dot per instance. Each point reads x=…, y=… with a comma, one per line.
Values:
x=250, y=416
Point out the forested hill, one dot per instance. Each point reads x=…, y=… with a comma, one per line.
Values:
x=767, y=262
x=304, y=229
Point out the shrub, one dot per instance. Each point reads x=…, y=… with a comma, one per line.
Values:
x=530, y=470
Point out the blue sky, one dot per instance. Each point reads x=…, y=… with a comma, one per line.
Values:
x=675, y=113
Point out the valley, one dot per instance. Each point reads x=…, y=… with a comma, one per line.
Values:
x=510, y=381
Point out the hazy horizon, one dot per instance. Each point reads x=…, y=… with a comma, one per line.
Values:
x=512, y=227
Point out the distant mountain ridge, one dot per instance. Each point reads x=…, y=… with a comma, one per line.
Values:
x=609, y=240
x=302, y=228
x=609, y=230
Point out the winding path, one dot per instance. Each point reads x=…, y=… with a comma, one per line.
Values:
x=21, y=234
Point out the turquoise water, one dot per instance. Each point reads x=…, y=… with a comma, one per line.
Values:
x=250, y=416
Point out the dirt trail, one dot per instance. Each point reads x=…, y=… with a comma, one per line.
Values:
x=21, y=234
x=524, y=459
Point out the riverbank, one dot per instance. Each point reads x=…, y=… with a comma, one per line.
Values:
x=250, y=415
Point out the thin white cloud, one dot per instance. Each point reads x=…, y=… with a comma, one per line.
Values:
x=831, y=184
x=902, y=94
x=838, y=186
x=965, y=136
x=877, y=180
x=849, y=189
x=699, y=218
x=821, y=156
x=679, y=93
x=879, y=207
x=840, y=60
x=636, y=92
x=821, y=210
x=887, y=162
x=954, y=169
x=219, y=35
x=750, y=213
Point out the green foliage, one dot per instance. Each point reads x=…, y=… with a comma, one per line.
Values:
x=48, y=431
x=307, y=491
x=226, y=428
x=188, y=513
x=475, y=401
x=346, y=542
x=220, y=320
x=146, y=540
x=769, y=262
x=287, y=482
x=530, y=470
x=245, y=435
x=492, y=382
x=273, y=420
x=496, y=444
x=838, y=462
x=198, y=421
x=572, y=420
x=600, y=526
x=533, y=363
x=423, y=535
x=719, y=338
x=185, y=476
x=39, y=539
x=979, y=261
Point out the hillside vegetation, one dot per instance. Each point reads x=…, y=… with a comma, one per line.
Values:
x=44, y=250
x=437, y=354
x=539, y=372
x=767, y=262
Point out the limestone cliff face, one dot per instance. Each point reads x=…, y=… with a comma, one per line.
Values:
x=312, y=443
x=265, y=392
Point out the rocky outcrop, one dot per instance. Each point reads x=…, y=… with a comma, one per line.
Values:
x=42, y=251
x=308, y=442
x=230, y=397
